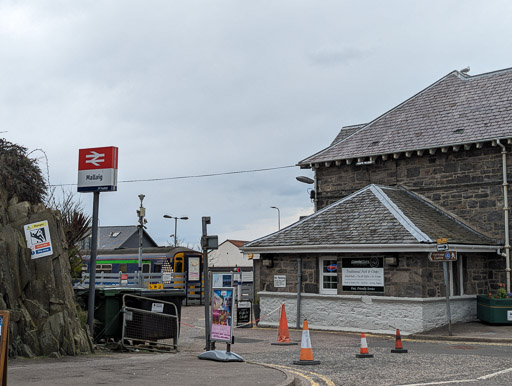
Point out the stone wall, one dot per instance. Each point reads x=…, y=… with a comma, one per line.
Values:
x=364, y=313
x=414, y=276
x=37, y=293
x=467, y=183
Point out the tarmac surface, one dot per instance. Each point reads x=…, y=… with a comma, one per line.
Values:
x=184, y=368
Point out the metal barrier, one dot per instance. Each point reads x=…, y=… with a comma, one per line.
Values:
x=149, y=329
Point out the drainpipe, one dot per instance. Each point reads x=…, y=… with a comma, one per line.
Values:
x=315, y=200
x=299, y=284
x=505, y=212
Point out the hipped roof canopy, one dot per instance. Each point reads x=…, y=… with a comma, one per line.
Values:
x=375, y=219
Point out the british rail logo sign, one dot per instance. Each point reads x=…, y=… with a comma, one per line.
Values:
x=97, y=169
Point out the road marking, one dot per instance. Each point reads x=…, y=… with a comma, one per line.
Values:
x=302, y=374
x=483, y=377
x=495, y=374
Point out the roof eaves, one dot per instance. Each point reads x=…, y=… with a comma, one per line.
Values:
x=372, y=248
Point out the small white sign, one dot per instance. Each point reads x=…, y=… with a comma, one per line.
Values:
x=166, y=277
x=280, y=281
x=157, y=307
x=247, y=276
x=244, y=304
x=509, y=315
x=442, y=247
x=38, y=239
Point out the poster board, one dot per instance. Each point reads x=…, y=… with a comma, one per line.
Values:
x=222, y=315
x=4, y=346
x=194, y=269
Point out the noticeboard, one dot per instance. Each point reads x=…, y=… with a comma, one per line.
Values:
x=4, y=345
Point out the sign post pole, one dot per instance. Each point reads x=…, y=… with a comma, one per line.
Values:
x=97, y=172
x=447, y=284
x=206, y=221
x=92, y=261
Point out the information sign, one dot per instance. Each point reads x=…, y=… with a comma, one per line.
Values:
x=443, y=256
x=362, y=274
x=97, y=169
x=38, y=239
x=157, y=307
x=222, y=280
x=222, y=315
x=280, y=281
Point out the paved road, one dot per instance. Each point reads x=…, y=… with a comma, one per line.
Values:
x=427, y=362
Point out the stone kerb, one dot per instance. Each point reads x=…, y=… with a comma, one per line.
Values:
x=361, y=313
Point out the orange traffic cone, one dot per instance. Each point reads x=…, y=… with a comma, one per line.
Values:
x=364, y=348
x=306, y=352
x=283, y=337
x=398, y=344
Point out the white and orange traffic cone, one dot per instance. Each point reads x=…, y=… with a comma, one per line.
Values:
x=399, y=349
x=363, y=353
x=306, y=352
x=283, y=336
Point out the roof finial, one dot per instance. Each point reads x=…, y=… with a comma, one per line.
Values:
x=465, y=70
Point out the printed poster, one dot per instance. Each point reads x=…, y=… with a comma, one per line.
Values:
x=222, y=314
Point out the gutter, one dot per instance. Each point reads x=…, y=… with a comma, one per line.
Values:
x=369, y=248
x=506, y=209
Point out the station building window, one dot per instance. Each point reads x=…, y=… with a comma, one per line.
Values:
x=328, y=275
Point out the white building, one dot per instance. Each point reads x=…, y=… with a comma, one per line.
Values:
x=229, y=256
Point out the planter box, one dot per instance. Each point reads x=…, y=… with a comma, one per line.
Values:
x=498, y=311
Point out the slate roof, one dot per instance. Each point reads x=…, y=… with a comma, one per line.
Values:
x=113, y=237
x=457, y=109
x=237, y=243
x=375, y=215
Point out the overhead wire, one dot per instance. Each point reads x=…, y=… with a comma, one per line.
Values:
x=195, y=176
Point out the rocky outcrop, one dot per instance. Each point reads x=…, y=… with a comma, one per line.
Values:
x=37, y=292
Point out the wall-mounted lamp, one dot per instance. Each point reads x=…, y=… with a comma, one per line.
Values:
x=393, y=261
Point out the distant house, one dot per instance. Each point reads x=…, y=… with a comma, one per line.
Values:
x=119, y=237
x=432, y=170
x=229, y=256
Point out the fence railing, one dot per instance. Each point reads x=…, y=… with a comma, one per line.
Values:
x=176, y=280
x=149, y=323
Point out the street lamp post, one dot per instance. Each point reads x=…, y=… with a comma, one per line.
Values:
x=176, y=226
x=141, y=212
x=278, y=217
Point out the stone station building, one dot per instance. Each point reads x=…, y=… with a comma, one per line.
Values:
x=434, y=167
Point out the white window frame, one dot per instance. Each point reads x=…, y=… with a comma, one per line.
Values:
x=327, y=291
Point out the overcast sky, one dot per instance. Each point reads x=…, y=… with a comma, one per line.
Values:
x=187, y=88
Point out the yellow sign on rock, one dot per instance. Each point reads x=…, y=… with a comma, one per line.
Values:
x=157, y=286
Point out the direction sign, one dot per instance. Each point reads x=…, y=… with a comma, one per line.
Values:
x=442, y=247
x=443, y=256
x=97, y=169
